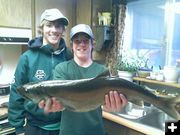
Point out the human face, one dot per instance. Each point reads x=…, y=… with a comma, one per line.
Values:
x=82, y=47
x=52, y=33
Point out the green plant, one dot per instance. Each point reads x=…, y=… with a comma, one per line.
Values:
x=126, y=65
x=130, y=63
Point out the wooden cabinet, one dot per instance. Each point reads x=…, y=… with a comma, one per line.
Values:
x=15, y=13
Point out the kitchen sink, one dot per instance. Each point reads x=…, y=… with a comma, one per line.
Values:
x=148, y=115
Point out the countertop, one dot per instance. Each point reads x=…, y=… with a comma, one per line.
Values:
x=5, y=128
x=142, y=128
x=176, y=85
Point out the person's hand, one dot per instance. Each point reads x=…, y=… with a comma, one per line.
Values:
x=51, y=105
x=114, y=102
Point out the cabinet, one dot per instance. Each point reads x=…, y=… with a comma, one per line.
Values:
x=15, y=13
x=104, y=37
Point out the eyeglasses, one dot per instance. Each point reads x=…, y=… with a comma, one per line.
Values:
x=79, y=41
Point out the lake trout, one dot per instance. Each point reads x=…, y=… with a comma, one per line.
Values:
x=88, y=94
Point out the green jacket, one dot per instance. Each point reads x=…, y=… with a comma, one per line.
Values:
x=36, y=64
x=80, y=123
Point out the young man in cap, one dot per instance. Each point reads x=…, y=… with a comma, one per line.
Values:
x=35, y=65
x=81, y=67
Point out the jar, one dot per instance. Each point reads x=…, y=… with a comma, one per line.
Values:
x=171, y=74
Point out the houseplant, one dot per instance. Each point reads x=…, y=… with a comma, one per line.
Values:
x=126, y=68
x=127, y=65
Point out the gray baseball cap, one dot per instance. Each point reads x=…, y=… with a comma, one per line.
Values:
x=81, y=28
x=52, y=15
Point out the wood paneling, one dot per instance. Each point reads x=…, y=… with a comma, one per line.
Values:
x=83, y=12
x=113, y=128
x=15, y=13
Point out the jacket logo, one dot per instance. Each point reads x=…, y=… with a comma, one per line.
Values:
x=40, y=74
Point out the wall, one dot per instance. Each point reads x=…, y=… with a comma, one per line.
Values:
x=9, y=55
x=83, y=11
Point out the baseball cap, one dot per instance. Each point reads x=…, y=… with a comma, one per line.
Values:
x=52, y=15
x=81, y=28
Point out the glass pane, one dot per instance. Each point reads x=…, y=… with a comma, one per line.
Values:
x=175, y=55
x=145, y=31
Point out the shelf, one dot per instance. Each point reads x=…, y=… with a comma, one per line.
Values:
x=176, y=85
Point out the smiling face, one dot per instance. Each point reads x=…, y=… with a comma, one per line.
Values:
x=52, y=33
x=82, y=47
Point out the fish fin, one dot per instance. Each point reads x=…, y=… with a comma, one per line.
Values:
x=103, y=74
x=150, y=89
x=171, y=106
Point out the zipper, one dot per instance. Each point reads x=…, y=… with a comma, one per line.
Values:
x=58, y=52
x=52, y=60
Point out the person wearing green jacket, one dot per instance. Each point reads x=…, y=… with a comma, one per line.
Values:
x=35, y=65
x=81, y=67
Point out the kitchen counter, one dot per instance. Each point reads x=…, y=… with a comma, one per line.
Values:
x=7, y=131
x=176, y=85
x=4, y=98
x=5, y=128
x=142, y=128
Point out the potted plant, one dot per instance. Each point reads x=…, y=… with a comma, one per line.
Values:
x=127, y=65
x=125, y=68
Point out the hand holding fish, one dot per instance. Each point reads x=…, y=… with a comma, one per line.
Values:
x=51, y=105
x=114, y=102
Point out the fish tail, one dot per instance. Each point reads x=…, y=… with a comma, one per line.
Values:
x=171, y=106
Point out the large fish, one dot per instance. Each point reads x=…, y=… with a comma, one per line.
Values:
x=87, y=94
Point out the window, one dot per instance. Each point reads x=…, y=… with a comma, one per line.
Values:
x=152, y=31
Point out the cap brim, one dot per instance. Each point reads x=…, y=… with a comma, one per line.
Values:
x=62, y=19
x=75, y=32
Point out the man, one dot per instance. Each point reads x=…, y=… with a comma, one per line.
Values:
x=80, y=67
x=35, y=65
